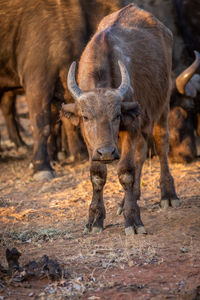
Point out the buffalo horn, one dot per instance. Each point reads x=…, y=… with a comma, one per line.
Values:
x=125, y=83
x=186, y=75
x=71, y=82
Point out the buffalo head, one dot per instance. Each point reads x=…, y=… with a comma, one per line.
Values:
x=101, y=111
x=187, y=83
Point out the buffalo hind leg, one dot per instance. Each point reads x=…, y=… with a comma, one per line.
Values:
x=97, y=212
x=54, y=140
x=8, y=103
x=39, y=102
x=76, y=147
x=139, y=157
x=126, y=174
x=161, y=137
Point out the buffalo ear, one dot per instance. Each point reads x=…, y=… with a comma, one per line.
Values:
x=129, y=112
x=70, y=111
x=190, y=90
x=131, y=109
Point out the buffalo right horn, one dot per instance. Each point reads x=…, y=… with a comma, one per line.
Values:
x=71, y=82
x=186, y=75
x=125, y=83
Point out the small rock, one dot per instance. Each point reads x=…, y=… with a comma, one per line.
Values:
x=130, y=263
x=50, y=290
x=77, y=287
x=31, y=294
x=80, y=278
x=184, y=250
x=42, y=294
x=181, y=283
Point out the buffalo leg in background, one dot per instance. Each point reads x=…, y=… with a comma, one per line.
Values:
x=39, y=101
x=54, y=140
x=76, y=148
x=7, y=105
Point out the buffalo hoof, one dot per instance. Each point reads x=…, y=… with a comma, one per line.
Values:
x=30, y=165
x=175, y=203
x=129, y=230
x=119, y=210
x=97, y=229
x=94, y=229
x=164, y=204
x=140, y=230
x=86, y=230
x=71, y=159
x=22, y=150
x=61, y=156
x=44, y=175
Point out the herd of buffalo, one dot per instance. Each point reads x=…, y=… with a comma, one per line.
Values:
x=124, y=90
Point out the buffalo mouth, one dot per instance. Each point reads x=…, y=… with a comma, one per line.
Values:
x=105, y=162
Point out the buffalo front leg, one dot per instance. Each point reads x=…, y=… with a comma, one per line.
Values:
x=161, y=137
x=126, y=174
x=97, y=212
x=139, y=157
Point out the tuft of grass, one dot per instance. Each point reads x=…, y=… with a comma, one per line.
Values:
x=43, y=234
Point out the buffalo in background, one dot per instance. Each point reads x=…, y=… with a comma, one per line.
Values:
x=183, y=118
x=38, y=41
x=189, y=23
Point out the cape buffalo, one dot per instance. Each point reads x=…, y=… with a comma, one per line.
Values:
x=183, y=116
x=123, y=90
x=38, y=41
x=189, y=22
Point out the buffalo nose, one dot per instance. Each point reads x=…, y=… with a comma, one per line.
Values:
x=106, y=154
x=106, y=151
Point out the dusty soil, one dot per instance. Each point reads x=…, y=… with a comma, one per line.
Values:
x=48, y=218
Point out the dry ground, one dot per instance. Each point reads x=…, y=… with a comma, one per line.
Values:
x=49, y=217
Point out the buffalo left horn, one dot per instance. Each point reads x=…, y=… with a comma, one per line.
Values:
x=125, y=83
x=71, y=82
x=186, y=75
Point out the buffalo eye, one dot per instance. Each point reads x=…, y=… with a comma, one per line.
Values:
x=117, y=117
x=85, y=118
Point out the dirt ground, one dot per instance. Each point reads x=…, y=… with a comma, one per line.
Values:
x=48, y=218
